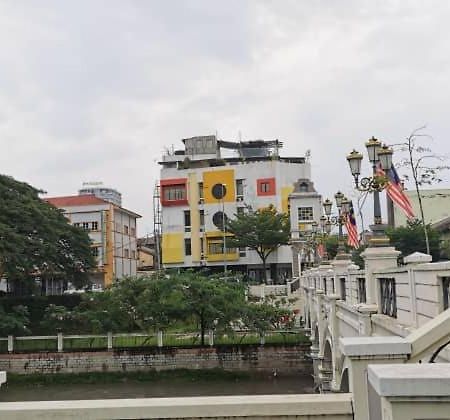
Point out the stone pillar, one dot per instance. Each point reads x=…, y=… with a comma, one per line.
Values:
x=60, y=340
x=340, y=268
x=359, y=352
x=334, y=328
x=10, y=343
x=160, y=338
x=409, y=391
x=210, y=338
x=110, y=340
x=377, y=258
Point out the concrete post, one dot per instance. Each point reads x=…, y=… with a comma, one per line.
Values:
x=159, y=337
x=10, y=343
x=211, y=338
x=359, y=352
x=377, y=259
x=334, y=327
x=2, y=378
x=409, y=391
x=60, y=341
x=320, y=320
x=110, y=340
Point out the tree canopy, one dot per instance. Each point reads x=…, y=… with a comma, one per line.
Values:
x=410, y=238
x=263, y=231
x=37, y=240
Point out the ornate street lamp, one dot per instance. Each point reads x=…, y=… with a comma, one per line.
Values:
x=343, y=206
x=379, y=157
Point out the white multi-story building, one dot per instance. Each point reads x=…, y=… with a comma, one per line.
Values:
x=112, y=230
x=200, y=184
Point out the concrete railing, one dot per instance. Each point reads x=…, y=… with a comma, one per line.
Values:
x=384, y=300
x=250, y=407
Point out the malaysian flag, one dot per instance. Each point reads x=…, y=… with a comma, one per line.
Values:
x=352, y=230
x=394, y=190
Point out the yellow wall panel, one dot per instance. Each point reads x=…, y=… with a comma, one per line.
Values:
x=285, y=191
x=172, y=248
x=211, y=178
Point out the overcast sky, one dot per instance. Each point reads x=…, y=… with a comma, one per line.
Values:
x=93, y=90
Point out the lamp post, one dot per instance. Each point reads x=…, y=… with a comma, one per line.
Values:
x=343, y=206
x=380, y=156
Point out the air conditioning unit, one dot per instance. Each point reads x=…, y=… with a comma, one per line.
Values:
x=239, y=198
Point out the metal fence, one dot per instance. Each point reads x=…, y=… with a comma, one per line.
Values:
x=110, y=341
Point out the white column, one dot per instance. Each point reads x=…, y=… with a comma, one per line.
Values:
x=10, y=343
x=60, y=340
x=377, y=259
x=409, y=391
x=359, y=352
x=110, y=340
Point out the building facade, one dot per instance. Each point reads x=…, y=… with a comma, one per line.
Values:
x=435, y=202
x=305, y=208
x=112, y=230
x=200, y=187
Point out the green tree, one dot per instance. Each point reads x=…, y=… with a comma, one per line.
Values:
x=263, y=231
x=37, y=240
x=213, y=303
x=263, y=317
x=410, y=238
x=14, y=322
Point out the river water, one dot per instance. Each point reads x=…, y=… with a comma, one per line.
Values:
x=160, y=388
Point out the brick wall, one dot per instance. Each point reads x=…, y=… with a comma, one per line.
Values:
x=283, y=358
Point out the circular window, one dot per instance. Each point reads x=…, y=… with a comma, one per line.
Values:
x=218, y=219
x=218, y=191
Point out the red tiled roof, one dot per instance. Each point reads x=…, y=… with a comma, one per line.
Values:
x=75, y=200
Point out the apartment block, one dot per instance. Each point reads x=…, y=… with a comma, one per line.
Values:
x=112, y=230
x=212, y=180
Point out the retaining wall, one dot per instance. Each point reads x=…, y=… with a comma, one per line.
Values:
x=283, y=358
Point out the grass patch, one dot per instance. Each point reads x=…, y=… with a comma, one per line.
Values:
x=181, y=375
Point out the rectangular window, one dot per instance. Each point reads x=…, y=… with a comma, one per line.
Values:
x=187, y=246
x=133, y=254
x=242, y=251
x=187, y=221
x=125, y=229
x=174, y=192
x=132, y=231
x=446, y=292
x=305, y=213
x=325, y=285
x=388, y=297
x=215, y=247
x=202, y=218
x=239, y=189
x=95, y=251
x=94, y=226
x=343, y=289
x=264, y=187
x=76, y=224
x=85, y=225
x=361, y=290
x=126, y=252
x=200, y=191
